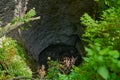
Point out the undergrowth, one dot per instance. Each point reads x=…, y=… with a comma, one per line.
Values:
x=12, y=60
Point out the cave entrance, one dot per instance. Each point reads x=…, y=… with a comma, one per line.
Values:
x=65, y=54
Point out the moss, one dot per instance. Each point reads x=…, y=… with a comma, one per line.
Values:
x=12, y=60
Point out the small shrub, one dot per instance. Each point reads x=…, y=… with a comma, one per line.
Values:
x=104, y=61
x=12, y=64
x=105, y=31
x=103, y=38
x=53, y=70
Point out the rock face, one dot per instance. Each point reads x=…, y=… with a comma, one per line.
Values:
x=12, y=8
x=59, y=22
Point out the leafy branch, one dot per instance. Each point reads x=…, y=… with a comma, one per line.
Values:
x=17, y=22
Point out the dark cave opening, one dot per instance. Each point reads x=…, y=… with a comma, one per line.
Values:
x=59, y=52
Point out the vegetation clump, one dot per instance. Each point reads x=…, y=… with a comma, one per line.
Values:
x=12, y=60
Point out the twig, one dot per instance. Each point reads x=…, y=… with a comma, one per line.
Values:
x=21, y=77
x=66, y=65
x=10, y=27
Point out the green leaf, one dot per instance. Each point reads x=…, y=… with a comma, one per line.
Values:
x=100, y=58
x=114, y=54
x=86, y=59
x=30, y=13
x=90, y=51
x=104, y=51
x=96, y=0
x=118, y=64
x=118, y=2
x=103, y=72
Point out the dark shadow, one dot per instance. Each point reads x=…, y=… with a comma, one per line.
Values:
x=58, y=52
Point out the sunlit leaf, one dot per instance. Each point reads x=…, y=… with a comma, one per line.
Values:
x=114, y=54
x=103, y=72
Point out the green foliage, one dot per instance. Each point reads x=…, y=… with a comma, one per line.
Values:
x=102, y=5
x=105, y=31
x=110, y=3
x=55, y=74
x=99, y=64
x=30, y=14
x=12, y=60
x=53, y=71
x=25, y=19
x=103, y=60
x=103, y=38
x=103, y=72
x=79, y=73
